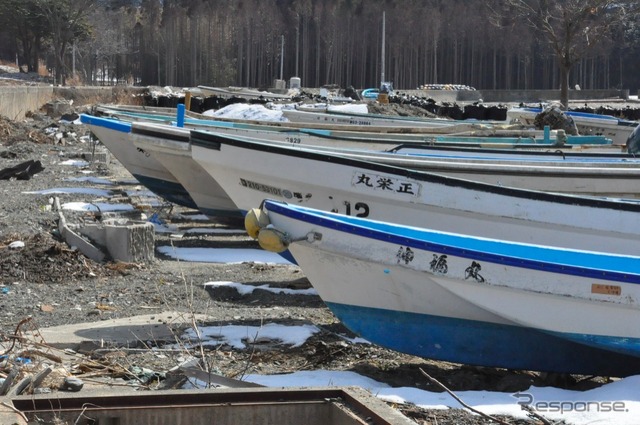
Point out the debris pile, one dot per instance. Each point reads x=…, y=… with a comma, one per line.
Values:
x=40, y=129
x=12, y=132
x=556, y=119
x=29, y=366
x=43, y=259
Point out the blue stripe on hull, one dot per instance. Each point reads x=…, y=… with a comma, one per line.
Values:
x=624, y=345
x=171, y=191
x=109, y=123
x=613, y=267
x=481, y=343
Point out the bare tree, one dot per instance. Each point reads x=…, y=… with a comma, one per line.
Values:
x=67, y=22
x=106, y=43
x=21, y=19
x=572, y=28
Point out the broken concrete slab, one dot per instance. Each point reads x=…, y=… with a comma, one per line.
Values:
x=125, y=332
x=77, y=241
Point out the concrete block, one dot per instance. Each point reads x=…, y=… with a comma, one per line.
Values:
x=120, y=332
x=57, y=108
x=294, y=83
x=95, y=232
x=122, y=239
x=130, y=242
x=102, y=157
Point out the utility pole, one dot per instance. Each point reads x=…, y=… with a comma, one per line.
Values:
x=73, y=61
x=281, y=56
x=297, y=42
x=383, y=29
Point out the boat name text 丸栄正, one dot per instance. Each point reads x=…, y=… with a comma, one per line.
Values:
x=385, y=183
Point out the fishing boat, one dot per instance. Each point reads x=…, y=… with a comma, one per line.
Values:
x=465, y=136
x=460, y=298
x=159, y=155
x=596, y=175
x=616, y=129
x=488, y=138
x=499, y=138
x=250, y=170
x=458, y=128
x=378, y=120
x=242, y=92
x=147, y=170
x=170, y=146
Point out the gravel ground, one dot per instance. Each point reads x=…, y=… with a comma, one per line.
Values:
x=47, y=283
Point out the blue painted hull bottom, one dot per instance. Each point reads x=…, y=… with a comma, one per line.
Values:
x=171, y=191
x=481, y=343
x=629, y=346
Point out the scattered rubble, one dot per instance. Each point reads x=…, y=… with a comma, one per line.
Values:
x=555, y=119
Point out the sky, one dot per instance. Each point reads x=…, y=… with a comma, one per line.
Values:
x=615, y=403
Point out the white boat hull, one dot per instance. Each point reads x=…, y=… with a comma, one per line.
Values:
x=493, y=315
x=605, y=175
x=363, y=120
x=172, y=149
x=145, y=168
x=243, y=92
x=331, y=183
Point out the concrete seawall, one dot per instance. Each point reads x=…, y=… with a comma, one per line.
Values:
x=16, y=101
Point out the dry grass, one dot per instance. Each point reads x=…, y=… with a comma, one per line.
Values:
x=8, y=63
x=42, y=70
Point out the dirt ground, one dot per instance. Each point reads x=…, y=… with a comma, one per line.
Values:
x=48, y=283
